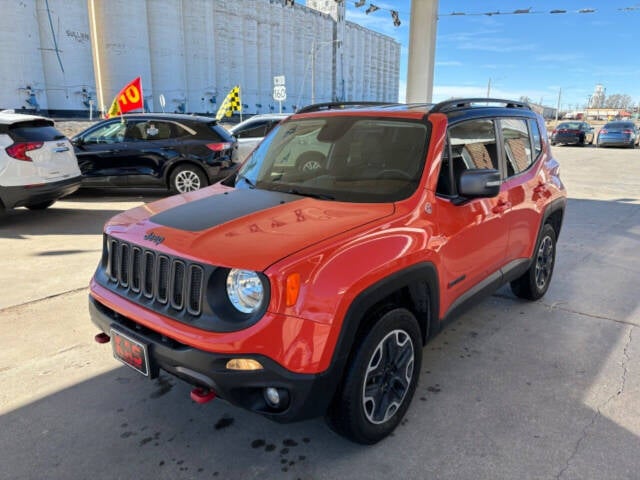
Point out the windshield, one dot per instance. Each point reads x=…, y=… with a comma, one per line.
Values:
x=352, y=159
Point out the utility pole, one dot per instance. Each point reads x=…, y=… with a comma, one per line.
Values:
x=489, y=88
x=558, y=107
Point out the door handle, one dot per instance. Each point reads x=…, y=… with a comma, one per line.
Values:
x=501, y=207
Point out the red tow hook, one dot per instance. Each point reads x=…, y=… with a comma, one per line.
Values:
x=202, y=395
x=102, y=338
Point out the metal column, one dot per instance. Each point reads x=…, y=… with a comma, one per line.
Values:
x=422, y=50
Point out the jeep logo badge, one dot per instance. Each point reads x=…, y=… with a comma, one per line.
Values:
x=152, y=237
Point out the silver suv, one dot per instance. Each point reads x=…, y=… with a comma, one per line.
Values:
x=37, y=163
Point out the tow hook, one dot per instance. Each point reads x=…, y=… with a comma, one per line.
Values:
x=102, y=338
x=202, y=395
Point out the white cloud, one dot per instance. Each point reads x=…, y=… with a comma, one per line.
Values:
x=450, y=63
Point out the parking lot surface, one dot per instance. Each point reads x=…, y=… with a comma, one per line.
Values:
x=511, y=389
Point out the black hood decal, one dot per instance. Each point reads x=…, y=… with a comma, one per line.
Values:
x=218, y=209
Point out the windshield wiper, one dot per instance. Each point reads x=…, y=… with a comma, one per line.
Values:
x=248, y=181
x=320, y=196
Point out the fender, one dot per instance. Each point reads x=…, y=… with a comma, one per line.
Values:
x=355, y=317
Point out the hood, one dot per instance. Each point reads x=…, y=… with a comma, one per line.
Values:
x=241, y=228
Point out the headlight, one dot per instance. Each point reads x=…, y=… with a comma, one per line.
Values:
x=245, y=290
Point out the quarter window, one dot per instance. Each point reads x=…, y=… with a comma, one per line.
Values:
x=517, y=145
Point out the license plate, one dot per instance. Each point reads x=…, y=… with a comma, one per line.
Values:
x=131, y=352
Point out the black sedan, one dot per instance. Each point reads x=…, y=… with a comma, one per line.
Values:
x=575, y=133
x=180, y=152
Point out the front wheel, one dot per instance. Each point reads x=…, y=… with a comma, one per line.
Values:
x=380, y=381
x=534, y=283
x=187, y=178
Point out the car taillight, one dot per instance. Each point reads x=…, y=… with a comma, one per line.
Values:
x=603, y=131
x=627, y=131
x=554, y=132
x=19, y=150
x=218, y=147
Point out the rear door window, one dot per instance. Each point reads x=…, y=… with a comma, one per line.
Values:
x=517, y=145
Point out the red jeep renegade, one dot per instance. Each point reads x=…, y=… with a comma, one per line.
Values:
x=308, y=282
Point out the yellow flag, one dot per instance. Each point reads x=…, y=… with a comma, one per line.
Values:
x=231, y=104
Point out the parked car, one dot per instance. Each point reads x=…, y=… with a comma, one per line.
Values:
x=576, y=133
x=37, y=164
x=250, y=132
x=180, y=152
x=296, y=294
x=619, y=134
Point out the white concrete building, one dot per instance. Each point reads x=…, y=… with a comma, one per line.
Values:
x=69, y=54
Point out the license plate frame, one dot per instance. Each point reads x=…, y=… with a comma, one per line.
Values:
x=130, y=351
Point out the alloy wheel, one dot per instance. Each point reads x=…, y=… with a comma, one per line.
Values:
x=544, y=262
x=187, y=181
x=388, y=377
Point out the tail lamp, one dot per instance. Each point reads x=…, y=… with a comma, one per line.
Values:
x=19, y=150
x=218, y=147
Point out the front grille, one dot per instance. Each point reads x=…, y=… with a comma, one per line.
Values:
x=152, y=277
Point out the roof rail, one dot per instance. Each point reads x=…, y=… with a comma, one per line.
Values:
x=319, y=107
x=459, y=103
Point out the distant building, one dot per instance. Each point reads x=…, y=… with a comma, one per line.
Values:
x=546, y=112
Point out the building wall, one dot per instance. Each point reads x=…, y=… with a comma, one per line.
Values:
x=191, y=51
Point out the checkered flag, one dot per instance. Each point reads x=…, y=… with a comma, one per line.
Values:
x=230, y=104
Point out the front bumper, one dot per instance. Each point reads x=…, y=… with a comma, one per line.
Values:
x=309, y=395
x=21, y=196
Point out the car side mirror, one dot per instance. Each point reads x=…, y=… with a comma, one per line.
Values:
x=479, y=183
x=77, y=141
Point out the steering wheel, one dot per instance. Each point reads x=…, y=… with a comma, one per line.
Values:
x=394, y=174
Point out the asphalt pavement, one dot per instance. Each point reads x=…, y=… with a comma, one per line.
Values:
x=510, y=390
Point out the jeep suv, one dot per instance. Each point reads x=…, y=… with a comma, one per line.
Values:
x=297, y=293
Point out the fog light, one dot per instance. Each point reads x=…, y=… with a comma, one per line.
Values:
x=272, y=396
x=244, y=364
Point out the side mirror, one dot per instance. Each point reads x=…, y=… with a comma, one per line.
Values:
x=479, y=183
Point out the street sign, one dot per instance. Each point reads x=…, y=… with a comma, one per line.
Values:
x=278, y=80
x=279, y=93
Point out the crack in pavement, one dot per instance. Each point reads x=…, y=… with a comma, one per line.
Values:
x=556, y=306
x=37, y=300
x=598, y=412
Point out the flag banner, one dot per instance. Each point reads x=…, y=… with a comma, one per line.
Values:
x=129, y=98
x=230, y=104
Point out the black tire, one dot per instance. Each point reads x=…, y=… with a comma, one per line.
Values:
x=41, y=205
x=393, y=345
x=187, y=178
x=534, y=283
x=582, y=141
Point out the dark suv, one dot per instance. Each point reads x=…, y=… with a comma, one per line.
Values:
x=296, y=293
x=181, y=152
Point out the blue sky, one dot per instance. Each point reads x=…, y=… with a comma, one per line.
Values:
x=534, y=55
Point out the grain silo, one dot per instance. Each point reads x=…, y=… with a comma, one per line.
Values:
x=191, y=51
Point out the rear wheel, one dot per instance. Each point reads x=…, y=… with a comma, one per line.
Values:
x=187, y=178
x=534, y=283
x=380, y=380
x=41, y=205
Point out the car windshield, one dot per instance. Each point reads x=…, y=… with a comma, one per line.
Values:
x=352, y=159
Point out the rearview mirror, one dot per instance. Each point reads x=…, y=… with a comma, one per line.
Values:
x=479, y=183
